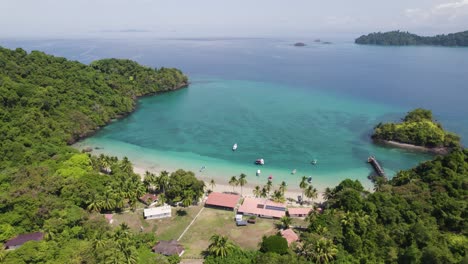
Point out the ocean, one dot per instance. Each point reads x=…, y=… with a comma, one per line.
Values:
x=288, y=105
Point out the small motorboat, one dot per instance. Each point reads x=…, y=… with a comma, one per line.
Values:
x=258, y=172
x=270, y=177
x=293, y=171
x=234, y=147
x=309, y=179
x=260, y=162
x=202, y=168
x=314, y=162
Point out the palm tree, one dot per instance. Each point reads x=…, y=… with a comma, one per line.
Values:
x=268, y=186
x=311, y=192
x=220, y=246
x=328, y=194
x=233, y=182
x=187, y=199
x=126, y=165
x=213, y=184
x=242, y=181
x=278, y=196
x=303, y=184
x=324, y=251
x=264, y=192
x=282, y=187
x=95, y=205
x=285, y=221
x=108, y=202
x=162, y=199
x=163, y=180
x=104, y=163
x=257, y=191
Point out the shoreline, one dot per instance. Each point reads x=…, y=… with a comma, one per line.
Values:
x=247, y=190
x=436, y=151
x=86, y=134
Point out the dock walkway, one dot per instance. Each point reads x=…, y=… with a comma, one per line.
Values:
x=375, y=164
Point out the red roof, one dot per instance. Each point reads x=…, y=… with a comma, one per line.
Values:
x=299, y=211
x=21, y=239
x=289, y=235
x=262, y=207
x=223, y=199
x=148, y=197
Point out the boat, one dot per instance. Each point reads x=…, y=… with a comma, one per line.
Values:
x=309, y=179
x=234, y=147
x=202, y=168
x=258, y=172
x=293, y=171
x=270, y=177
x=260, y=162
x=314, y=162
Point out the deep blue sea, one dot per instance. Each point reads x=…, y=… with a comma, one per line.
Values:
x=285, y=104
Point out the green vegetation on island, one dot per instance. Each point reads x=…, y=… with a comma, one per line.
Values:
x=418, y=128
x=400, y=38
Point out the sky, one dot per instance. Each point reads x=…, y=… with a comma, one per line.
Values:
x=235, y=18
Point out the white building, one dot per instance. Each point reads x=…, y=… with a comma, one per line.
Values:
x=157, y=212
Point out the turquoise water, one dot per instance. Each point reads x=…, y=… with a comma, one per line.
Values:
x=285, y=104
x=287, y=127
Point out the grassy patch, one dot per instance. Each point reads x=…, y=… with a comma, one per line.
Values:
x=164, y=229
x=214, y=221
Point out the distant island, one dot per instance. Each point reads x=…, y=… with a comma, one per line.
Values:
x=417, y=131
x=400, y=38
x=299, y=44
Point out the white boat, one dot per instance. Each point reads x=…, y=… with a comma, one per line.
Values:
x=234, y=147
x=258, y=172
x=314, y=162
x=260, y=162
x=293, y=171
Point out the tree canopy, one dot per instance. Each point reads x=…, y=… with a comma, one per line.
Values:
x=418, y=128
x=401, y=38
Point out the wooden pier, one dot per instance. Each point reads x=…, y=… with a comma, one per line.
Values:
x=375, y=164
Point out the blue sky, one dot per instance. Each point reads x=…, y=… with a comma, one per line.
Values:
x=218, y=18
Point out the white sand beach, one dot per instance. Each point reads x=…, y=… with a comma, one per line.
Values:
x=223, y=186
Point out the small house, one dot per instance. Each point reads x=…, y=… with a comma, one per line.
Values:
x=157, y=212
x=169, y=248
x=289, y=235
x=21, y=239
x=224, y=201
x=148, y=198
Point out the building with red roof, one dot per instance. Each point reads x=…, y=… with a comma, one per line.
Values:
x=225, y=201
x=299, y=211
x=148, y=198
x=262, y=207
x=289, y=235
x=21, y=239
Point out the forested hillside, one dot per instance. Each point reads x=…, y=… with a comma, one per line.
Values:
x=400, y=38
x=45, y=103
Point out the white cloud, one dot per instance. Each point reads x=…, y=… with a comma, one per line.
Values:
x=452, y=5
